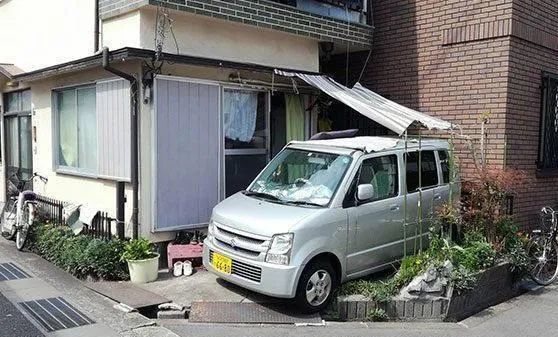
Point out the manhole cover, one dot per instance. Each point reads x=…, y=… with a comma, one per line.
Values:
x=9, y=271
x=55, y=314
x=232, y=312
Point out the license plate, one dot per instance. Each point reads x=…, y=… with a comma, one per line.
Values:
x=222, y=263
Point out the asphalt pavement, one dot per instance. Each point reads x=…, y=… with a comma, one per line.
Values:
x=13, y=323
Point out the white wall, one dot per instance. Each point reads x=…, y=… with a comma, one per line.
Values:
x=99, y=193
x=40, y=33
x=197, y=35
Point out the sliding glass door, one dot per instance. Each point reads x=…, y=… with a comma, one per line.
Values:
x=247, y=139
x=18, y=136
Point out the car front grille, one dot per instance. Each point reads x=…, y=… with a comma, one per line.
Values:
x=247, y=246
x=243, y=270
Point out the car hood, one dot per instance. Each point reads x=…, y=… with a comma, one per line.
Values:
x=258, y=216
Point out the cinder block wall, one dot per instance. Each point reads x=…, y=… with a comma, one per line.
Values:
x=460, y=58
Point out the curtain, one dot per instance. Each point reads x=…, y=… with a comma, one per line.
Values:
x=240, y=110
x=294, y=107
x=12, y=140
x=87, y=126
x=67, y=122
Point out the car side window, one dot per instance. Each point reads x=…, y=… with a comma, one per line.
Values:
x=429, y=172
x=444, y=164
x=382, y=174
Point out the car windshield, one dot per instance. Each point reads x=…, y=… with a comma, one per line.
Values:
x=301, y=177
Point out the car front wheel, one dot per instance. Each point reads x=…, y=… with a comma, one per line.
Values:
x=315, y=287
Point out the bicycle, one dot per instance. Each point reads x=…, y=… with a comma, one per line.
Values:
x=18, y=216
x=543, y=249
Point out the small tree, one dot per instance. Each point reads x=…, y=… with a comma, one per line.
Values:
x=484, y=197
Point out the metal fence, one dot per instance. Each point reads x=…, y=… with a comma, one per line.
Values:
x=101, y=227
x=53, y=210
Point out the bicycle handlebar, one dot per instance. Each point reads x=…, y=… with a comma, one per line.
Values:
x=35, y=175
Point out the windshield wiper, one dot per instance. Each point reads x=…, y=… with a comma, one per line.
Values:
x=308, y=203
x=262, y=195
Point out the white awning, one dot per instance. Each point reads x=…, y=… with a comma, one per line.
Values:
x=391, y=115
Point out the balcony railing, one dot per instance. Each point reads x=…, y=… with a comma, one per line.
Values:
x=351, y=10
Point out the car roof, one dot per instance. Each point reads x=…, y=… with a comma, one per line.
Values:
x=373, y=144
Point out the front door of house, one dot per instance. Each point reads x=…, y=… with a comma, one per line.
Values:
x=18, y=137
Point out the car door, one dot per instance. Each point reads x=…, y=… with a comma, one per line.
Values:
x=420, y=199
x=375, y=236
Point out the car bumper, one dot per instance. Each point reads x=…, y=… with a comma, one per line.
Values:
x=275, y=280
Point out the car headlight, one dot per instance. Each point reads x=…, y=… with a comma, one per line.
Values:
x=211, y=230
x=279, y=251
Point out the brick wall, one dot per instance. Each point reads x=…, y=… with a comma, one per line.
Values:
x=259, y=13
x=460, y=58
x=530, y=55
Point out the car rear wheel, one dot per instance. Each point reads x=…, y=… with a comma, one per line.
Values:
x=315, y=287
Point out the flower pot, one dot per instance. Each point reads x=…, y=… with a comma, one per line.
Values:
x=144, y=271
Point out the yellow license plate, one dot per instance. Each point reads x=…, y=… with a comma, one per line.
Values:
x=222, y=263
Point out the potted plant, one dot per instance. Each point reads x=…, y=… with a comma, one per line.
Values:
x=143, y=262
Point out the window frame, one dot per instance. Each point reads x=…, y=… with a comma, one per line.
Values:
x=62, y=169
x=398, y=178
x=441, y=181
x=546, y=77
x=436, y=162
x=267, y=112
x=349, y=200
x=17, y=115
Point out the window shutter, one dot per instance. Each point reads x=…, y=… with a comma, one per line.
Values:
x=187, y=144
x=113, y=129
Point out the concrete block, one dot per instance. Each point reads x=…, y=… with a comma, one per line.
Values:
x=171, y=314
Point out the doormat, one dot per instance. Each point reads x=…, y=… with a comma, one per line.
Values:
x=233, y=312
x=55, y=314
x=10, y=271
x=127, y=293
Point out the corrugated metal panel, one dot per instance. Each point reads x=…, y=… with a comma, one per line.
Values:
x=113, y=127
x=390, y=114
x=187, y=153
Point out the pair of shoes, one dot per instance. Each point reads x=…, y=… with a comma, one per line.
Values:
x=182, y=268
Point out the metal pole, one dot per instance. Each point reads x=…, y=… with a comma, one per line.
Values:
x=120, y=201
x=405, y=201
x=420, y=190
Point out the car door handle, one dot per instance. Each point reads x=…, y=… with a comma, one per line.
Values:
x=394, y=208
x=437, y=197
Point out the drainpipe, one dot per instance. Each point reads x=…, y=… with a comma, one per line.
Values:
x=134, y=135
x=96, y=29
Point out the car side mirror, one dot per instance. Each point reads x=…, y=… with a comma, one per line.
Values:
x=365, y=192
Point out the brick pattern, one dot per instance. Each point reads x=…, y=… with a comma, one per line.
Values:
x=499, y=28
x=458, y=59
x=259, y=13
x=477, y=31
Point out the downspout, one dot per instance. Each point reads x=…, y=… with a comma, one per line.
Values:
x=96, y=29
x=134, y=136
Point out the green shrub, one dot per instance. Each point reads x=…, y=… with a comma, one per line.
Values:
x=138, y=249
x=80, y=255
x=463, y=279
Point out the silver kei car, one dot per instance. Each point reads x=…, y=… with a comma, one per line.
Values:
x=326, y=211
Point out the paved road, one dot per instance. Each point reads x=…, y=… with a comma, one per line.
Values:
x=531, y=315
x=13, y=323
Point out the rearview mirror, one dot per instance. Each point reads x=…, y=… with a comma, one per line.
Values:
x=365, y=192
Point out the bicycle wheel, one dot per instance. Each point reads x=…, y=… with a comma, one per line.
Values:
x=543, y=256
x=23, y=228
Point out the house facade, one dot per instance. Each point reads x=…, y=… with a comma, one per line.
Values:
x=469, y=62
x=210, y=111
